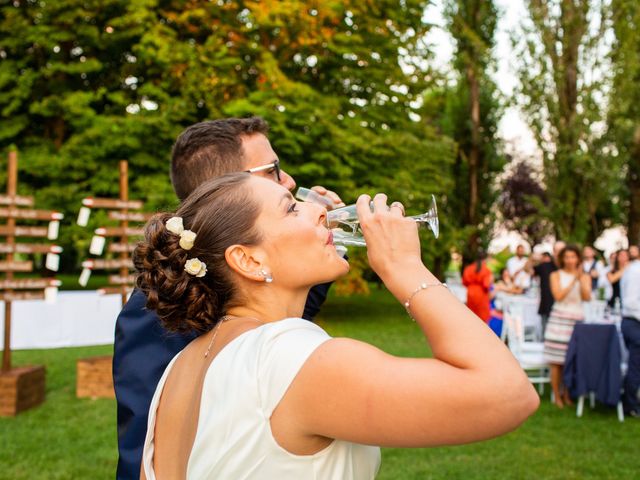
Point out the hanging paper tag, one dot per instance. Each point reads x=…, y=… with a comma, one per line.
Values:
x=83, y=216
x=84, y=277
x=51, y=294
x=52, y=232
x=52, y=262
x=87, y=264
x=97, y=245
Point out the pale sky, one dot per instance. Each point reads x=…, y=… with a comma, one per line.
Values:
x=513, y=128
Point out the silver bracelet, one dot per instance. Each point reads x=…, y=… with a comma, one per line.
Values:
x=422, y=286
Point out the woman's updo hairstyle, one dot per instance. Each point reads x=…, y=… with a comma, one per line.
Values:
x=221, y=212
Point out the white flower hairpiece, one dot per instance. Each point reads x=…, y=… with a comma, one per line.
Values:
x=195, y=267
x=187, y=237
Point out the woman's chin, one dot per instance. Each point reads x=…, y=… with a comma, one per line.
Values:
x=341, y=271
x=347, y=267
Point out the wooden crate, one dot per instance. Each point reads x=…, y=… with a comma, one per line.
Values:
x=94, y=378
x=21, y=388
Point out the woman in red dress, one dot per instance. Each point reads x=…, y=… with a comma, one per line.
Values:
x=478, y=278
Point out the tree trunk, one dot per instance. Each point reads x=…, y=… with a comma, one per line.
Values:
x=474, y=152
x=474, y=156
x=59, y=132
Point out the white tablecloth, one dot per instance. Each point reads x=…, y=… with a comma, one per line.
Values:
x=78, y=318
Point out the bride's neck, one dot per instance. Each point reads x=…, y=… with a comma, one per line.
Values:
x=271, y=304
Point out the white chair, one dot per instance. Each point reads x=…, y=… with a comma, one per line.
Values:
x=592, y=404
x=529, y=354
x=527, y=310
x=459, y=290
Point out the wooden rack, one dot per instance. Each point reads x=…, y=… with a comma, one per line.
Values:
x=22, y=388
x=94, y=375
x=123, y=211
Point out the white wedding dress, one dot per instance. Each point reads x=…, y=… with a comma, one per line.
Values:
x=242, y=387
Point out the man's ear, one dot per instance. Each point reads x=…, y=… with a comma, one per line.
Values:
x=245, y=261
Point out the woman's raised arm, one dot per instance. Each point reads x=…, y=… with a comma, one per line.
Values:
x=471, y=390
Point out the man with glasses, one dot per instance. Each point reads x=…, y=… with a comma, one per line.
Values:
x=142, y=348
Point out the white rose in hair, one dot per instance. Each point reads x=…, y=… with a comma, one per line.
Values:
x=195, y=267
x=174, y=225
x=187, y=238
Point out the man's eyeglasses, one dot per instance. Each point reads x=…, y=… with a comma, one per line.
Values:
x=271, y=168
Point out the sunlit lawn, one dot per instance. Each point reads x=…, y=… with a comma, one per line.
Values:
x=69, y=438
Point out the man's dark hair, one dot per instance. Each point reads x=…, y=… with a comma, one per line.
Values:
x=210, y=149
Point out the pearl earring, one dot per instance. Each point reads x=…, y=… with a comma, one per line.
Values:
x=267, y=276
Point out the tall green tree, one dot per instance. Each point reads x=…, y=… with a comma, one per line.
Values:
x=470, y=115
x=87, y=83
x=624, y=113
x=66, y=83
x=561, y=92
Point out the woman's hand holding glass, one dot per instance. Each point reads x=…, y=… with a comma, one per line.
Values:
x=392, y=239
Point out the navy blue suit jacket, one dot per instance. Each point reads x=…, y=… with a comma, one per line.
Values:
x=593, y=363
x=142, y=350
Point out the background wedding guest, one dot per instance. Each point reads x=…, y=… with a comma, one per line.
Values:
x=543, y=271
x=570, y=287
x=506, y=285
x=478, y=279
x=634, y=252
x=613, y=277
x=603, y=282
x=630, y=296
x=591, y=265
x=520, y=269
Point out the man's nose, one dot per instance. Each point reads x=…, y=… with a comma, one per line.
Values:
x=287, y=181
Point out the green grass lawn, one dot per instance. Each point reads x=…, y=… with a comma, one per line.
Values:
x=69, y=438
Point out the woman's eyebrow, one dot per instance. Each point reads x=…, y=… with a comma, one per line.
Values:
x=286, y=196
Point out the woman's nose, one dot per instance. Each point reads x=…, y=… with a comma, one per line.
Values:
x=323, y=216
x=318, y=211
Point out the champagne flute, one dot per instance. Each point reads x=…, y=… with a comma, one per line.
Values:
x=308, y=195
x=345, y=225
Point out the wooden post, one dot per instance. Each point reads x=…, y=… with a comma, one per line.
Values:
x=124, y=223
x=23, y=387
x=12, y=187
